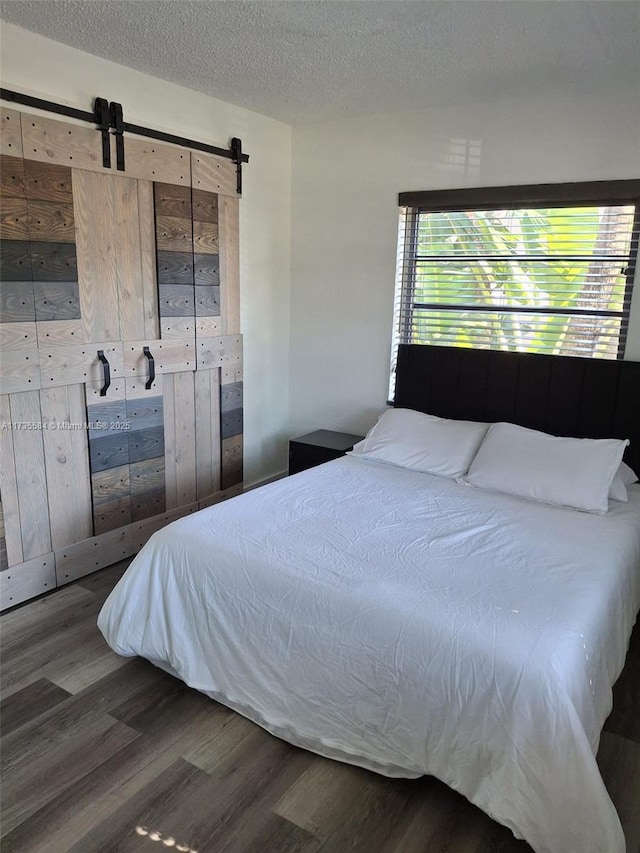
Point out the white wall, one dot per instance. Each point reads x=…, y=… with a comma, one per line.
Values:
x=39, y=66
x=346, y=177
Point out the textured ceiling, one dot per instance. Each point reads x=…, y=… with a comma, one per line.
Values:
x=310, y=60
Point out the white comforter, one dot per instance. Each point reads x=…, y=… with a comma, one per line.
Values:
x=407, y=624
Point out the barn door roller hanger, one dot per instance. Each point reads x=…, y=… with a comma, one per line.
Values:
x=108, y=116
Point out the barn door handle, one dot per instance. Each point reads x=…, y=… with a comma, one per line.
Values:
x=107, y=372
x=152, y=367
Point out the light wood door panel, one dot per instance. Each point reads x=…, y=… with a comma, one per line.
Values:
x=155, y=161
x=79, y=363
x=208, y=456
x=62, y=143
x=21, y=582
x=19, y=371
x=96, y=259
x=30, y=472
x=9, y=486
x=213, y=174
x=10, y=132
x=230, y=265
x=170, y=356
x=67, y=464
x=96, y=249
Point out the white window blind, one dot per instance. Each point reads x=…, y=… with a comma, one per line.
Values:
x=549, y=277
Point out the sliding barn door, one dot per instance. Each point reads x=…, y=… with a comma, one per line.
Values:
x=120, y=352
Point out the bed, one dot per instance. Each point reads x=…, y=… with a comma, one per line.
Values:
x=410, y=624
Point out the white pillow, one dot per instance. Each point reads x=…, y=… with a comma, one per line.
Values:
x=422, y=442
x=572, y=472
x=624, y=477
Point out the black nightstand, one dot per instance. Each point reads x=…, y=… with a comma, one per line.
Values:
x=317, y=447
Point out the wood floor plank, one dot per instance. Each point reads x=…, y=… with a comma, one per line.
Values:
x=321, y=798
x=101, y=583
x=176, y=804
x=40, y=762
x=103, y=753
x=25, y=628
x=22, y=707
x=72, y=816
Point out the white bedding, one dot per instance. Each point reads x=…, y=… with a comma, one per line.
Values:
x=408, y=624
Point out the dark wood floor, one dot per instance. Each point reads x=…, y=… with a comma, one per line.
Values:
x=102, y=753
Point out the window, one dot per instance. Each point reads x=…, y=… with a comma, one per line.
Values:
x=545, y=269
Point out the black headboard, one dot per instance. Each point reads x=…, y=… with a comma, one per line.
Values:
x=561, y=395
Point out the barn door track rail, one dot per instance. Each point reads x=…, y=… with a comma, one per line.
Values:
x=108, y=118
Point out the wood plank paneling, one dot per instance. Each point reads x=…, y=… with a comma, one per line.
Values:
x=88, y=556
x=18, y=336
x=59, y=332
x=146, y=444
x=67, y=464
x=232, y=472
x=10, y=132
x=61, y=143
x=53, y=261
x=170, y=356
x=217, y=352
x=180, y=438
x=26, y=580
x=146, y=476
x=19, y=371
x=206, y=270
x=102, y=550
x=51, y=222
x=204, y=206
x=173, y=234
x=205, y=238
x=116, y=391
x=110, y=485
x=144, y=413
x=109, y=449
x=147, y=504
x=14, y=220
x=172, y=200
x=153, y=161
x=207, y=407
x=12, y=177
x=148, y=260
x=48, y=182
x=176, y=300
x=136, y=389
x=16, y=301
x=207, y=301
x=15, y=261
x=213, y=174
x=185, y=436
x=208, y=327
x=170, y=474
x=78, y=363
x=112, y=515
x=96, y=238
x=9, y=486
x=140, y=531
x=175, y=268
x=30, y=474
x=220, y=496
x=177, y=327
x=105, y=416
x=129, y=273
x=230, y=265
x=232, y=372
x=56, y=300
